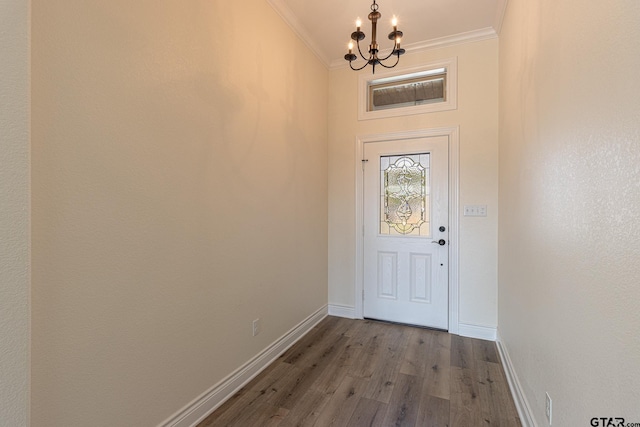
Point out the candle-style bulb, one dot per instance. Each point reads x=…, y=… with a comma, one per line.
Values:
x=358, y=24
x=350, y=47
x=394, y=22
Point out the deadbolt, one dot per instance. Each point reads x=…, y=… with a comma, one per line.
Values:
x=442, y=229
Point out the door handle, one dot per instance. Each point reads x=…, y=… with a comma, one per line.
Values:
x=441, y=242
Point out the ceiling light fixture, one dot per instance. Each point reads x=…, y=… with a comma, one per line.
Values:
x=373, y=59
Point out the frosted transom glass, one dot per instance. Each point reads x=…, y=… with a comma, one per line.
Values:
x=404, y=206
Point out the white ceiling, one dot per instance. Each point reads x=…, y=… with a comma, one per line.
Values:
x=326, y=25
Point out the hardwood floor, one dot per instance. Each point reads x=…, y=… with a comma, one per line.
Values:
x=365, y=373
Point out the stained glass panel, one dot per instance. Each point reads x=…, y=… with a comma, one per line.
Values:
x=404, y=204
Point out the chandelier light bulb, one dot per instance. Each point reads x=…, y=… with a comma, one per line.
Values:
x=394, y=22
x=358, y=24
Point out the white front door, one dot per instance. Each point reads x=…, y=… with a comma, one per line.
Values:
x=406, y=202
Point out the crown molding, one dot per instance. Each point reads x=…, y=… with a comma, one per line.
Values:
x=500, y=12
x=467, y=37
x=290, y=19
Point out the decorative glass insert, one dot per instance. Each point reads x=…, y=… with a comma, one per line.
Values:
x=404, y=206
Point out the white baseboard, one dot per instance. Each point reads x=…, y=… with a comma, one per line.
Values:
x=205, y=404
x=342, y=311
x=522, y=405
x=479, y=332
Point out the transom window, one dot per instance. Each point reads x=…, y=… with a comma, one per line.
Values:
x=425, y=89
x=408, y=91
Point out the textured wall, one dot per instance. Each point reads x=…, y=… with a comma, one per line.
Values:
x=570, y=205
x=477, y=116
x=179, y=192
x=14, y=213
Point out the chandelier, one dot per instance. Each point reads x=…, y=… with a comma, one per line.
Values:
x=373, y=58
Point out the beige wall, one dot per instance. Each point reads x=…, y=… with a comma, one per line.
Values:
x=570, y=206
x=14, y=213
x=477, y=116
x=179, y=192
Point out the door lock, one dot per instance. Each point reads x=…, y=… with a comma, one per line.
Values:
x=442, y=229
x=441, y=242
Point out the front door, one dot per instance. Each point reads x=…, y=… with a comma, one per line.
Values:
x=406, y=202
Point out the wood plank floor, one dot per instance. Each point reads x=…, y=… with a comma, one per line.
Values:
x=366, y=373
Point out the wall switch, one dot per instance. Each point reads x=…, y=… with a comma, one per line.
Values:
x=256, y=327
x=475, y=210
x=547, y=407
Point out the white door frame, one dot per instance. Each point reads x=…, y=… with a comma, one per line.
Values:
x=454, y=163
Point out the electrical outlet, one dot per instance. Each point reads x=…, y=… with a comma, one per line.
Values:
x=256, y=327
x=548, y=407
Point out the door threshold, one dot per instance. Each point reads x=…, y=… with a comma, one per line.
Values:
x=406, y=324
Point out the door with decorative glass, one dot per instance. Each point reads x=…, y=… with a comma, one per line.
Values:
x=406, y=202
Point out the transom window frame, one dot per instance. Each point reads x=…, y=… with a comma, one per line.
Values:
x=428, y=70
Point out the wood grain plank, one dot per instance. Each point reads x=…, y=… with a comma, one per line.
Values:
x=405, y=402
x=365, y=363
x=333, y=374
x=462, y=352
x=434, y=412
x=415, y=358
x=349, y=327
x=368, y=413
x=304, y=352
x=464, y=404
x=303, y=379
x=485, y=351
x=307, y=409
x=342, y=404
x=250, y=398
x=267, y=416
x=496, y=402
x=437, y=377
x=275, y=420
x=387, y=367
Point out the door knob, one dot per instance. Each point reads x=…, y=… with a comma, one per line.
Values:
x=441, y=242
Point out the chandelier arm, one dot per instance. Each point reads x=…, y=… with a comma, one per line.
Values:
x=360, y=52
x=393, y=52
x=358, y=69
x=390, y=66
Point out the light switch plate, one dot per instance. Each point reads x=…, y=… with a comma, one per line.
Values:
x=475, y=210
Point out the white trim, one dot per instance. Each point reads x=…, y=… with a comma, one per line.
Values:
x=453, y=133
x=522, y=404
x=292, y=21
x=342, y=311
x=451, y=89
x=411, y=48
x=205, y=404
x=454, y=229
x=477, y=331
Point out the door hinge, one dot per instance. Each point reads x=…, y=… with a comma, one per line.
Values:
x=364, y=162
